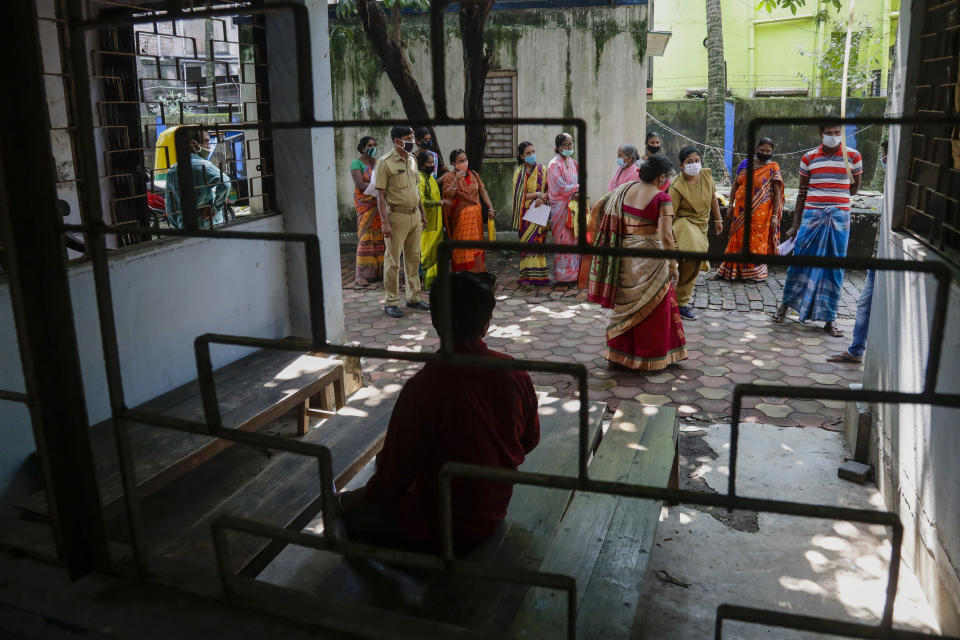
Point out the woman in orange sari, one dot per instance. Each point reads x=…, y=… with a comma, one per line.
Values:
x=768, y=198
x=462, y=191
x=370, y=245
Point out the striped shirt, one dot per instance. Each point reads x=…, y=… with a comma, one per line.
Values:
x=829, y=183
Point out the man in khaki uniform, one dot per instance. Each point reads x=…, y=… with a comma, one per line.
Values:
x=401, y=212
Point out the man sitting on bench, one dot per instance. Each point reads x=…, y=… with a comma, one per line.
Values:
x=448, y=413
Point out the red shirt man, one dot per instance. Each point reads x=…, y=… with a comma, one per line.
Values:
x=449, y=413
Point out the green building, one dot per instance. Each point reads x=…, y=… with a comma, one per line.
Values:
x=778, y=53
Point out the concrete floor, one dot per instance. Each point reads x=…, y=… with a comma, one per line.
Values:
x=796, y=565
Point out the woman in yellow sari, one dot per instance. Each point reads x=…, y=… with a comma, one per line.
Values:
x=764, y=231
x=693, y=202
x=432, y=233
x=530, y=189
x=463, y=216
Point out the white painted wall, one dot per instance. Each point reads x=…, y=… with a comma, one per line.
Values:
x=555, y=54
x=916, y=448
x=164, y=294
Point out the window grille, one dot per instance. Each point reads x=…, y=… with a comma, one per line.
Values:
x=500, y=101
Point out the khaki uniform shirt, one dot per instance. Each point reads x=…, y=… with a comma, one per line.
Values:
x=397, y=176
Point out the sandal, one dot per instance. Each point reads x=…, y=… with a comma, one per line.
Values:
x=845, y=357
x=780, y=316
x=361, y=282
x=833, y=330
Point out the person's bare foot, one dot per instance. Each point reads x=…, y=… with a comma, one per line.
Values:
x=361, y=282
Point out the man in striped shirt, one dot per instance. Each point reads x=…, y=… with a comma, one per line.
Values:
x=821, y=226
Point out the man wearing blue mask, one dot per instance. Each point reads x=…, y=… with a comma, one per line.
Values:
x=402, y=215
x=210, y=185
x=821, y=227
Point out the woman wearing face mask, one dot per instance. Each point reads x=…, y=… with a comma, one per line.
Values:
x=530, y=189
x=652, y=147
x=425, y=144
x=628, y=168
x=768, y=202
x=645, y=331
x=563, y=183
x=432, y=232
x=370, y=245
x=694, y=202
x=463, y=217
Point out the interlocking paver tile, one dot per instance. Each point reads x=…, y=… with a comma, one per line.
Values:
x=714, y=394
x=824, y=378
x=652, y=399
x=775, y=410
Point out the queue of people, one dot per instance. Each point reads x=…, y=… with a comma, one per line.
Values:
x=416, y=202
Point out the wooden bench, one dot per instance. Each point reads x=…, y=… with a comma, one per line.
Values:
x=287, y=491
x=252, y=392
x=604, y=541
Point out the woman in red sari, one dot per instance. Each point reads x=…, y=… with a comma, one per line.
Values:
x=645, y=331
x=462, y=191
x=768, y=198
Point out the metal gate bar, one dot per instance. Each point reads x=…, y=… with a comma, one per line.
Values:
x=94, y=226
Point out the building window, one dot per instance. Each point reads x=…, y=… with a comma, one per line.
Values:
x=500, y=101
x=875, y=83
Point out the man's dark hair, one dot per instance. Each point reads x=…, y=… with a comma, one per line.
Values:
x=424, y=157
x=399, y=131
x=420, y=132
x=471, y=304
x=824, y=125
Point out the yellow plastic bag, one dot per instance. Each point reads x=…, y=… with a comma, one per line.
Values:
x=491, y=231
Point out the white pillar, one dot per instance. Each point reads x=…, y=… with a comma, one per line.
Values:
x=306, y=189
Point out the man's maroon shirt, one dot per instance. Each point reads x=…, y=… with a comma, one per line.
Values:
x=453, y=413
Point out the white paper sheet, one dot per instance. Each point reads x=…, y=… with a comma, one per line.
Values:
x=371, y=190
x=539, y=214
x=787, y=246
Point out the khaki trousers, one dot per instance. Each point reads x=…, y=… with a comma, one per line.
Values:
x=404, y=238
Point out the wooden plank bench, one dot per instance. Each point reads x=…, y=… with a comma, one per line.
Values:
x=287, y=491
x=252, y=392
x=522, y=540
x=604, y=541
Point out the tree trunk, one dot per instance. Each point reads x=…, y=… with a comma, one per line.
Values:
x=717, y=84
x=385, y=39
x=476, y=63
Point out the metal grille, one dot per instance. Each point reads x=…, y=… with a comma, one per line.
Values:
x=163, y=73
x=97, y=230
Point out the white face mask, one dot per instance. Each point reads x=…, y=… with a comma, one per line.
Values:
x=692, y=169
x=831, y=141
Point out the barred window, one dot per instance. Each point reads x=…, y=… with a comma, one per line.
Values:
x=500, y=101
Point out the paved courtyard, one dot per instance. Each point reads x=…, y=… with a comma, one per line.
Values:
x=732, y=341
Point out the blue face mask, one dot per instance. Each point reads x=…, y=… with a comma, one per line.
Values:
x=567, y=152
x=621, y=162
x=883, y=162
x=531, y=159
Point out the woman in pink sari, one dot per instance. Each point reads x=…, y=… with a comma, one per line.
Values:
x=562, y=187
x=627, y=168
